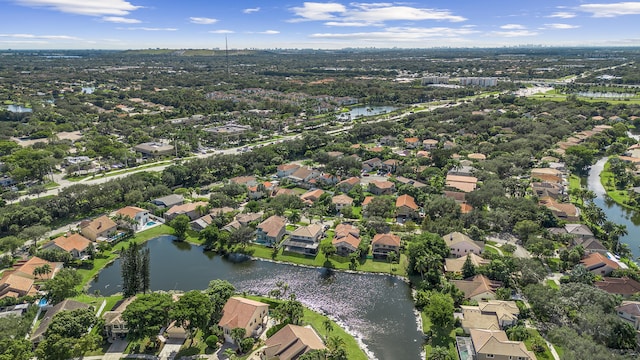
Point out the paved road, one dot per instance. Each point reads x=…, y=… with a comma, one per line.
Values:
x=502, y=239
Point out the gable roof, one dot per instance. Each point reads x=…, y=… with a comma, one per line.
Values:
x=308, y=231
x=185, y=208
x=312, y=195
x=476, y=285
x=343, y=230
x=456, y=264
x=630, y=307
x=237, y=312
x=16, y=284
x=292, y=341
x=496, y=342
x=100, y=224
x=621, y=286
x=28, y=266
x=130, y=211
x=382, y=185
x=596, y=260
x=73, y=242
x=578, y=229
x=456, y=237
x=386, y=239
x=342, y=199
x=350, y=181
x=406, y=200
x=169, y=200
x=273, y=225
x=287, y=167
x=367, y=200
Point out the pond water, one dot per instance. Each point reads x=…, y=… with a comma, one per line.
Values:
x=19, y=109
x=615, y=212
x=377, y=309
x=366, y=111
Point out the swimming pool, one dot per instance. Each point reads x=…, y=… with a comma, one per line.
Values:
x=151, y=223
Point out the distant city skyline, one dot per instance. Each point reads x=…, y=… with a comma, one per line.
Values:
x=200, y=24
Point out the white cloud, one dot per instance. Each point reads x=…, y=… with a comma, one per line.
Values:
x=513, y=27
x=47, y=37
x=562, y=15
x=222, y=31
x=147, y=29
x=560, y=26
x=401, y=34
x=312, y=11
x=269, y=32
x=14, y=42
x=120, y=20
x=611, y=10
x=372, y=14
x=202, y=20
x=84, y=7
x=251, y=10
x=513, y=33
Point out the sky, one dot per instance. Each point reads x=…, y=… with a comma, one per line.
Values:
x=272, y=24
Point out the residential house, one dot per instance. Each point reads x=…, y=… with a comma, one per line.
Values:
x=291, y=342
x=244, y=180
x=99, y=229
x=578, y=230
x=311, y=196
x=243, y=313
x=29, y=266
x=478, y=287
x=348, y=184
x=193, y=210
x=457, y=196
x=476, y=157
x=599, y=264
x=411, y=142
x=168, y=201
x=495, y=345
x=383, y=244
x=304, y=240
x=390, y=165
x=623, y=286
x=283, y=191
x=271, y=231
x=326, y=179
x=388, y=140
x=473, y=318
x=260, y=190
x=285, y=170
x=563, y=211
x=591, y=245
x=463, y=170
x=430, y=144
x=65, y=305
x=406, y=181
x=201, y=223
x=506, y=312
x=303, y=175
x=16, y=284
x=448, y=145
x=406, y=207
x=630, y=312
x=542, y=173
x=75, y=244
x=341, y=201
x=455, y=265
x=367, y=200
x=372, y=164
x=139, y=216
x=547, y=189
x=462, y=183
x=461, y=245
x=241, y=220
x=346, y=239
x=114, y=325
x=382, y=187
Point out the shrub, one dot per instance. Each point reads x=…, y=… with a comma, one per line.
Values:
x=212, y=342
x=247, y=344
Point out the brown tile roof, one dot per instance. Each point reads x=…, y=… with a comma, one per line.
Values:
x=16, y=284
x=75, y=241
x=131, y=211
x=386, y=239
x=342, y=199
x=462, y=183
x=283, y=191
x=622, y=286
x=185, y=208
x=343, y=230
x=496, y=342
x=312, y=195
x=100, y=224
x=367, y=200
x=273, y=225
x=411, y=140
x=466, y=208
x=382, y=184
x=291, y=342
x=477, y=156
x=406, y=200
x=287, y=167
x=243, y=180
x=310, y=231
x=565, y=208
x=351, y=181
x=28, y=266
x=455, y=265
x=476, y=285
x=238, y=312
x=353, y=241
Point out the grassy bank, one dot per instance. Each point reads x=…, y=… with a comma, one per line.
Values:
x=439, y=337
x=334, y=262
x=607, y=179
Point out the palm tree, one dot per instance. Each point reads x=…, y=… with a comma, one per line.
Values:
x=230, y=354
x=294, y=217
x=337, y=348
x=45, y=269
x=421, y=265
x=237, y=334
x=392, y=257
x=328, y=326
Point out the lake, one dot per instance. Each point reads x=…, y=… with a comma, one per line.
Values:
x=376, y=309
x=360, y=111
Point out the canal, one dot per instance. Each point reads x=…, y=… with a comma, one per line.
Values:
x=376, y=309
x=615, y=212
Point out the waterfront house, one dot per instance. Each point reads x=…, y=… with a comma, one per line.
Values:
x=624, y=286
x=630, y=312
x=99, y=229
x=304, y=240
x=478, y=287
x=455, y=265
x=346, y=239
x=193, y=210
x=599, y=264
x=139, y=216
x=243, y=313
x=495, y=345
x=291, y=342
x=75, y=244
x=271, y=231
x=383, y=244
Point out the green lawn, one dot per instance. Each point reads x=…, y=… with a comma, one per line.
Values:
x=574, y=183
x=621, y=197
x=552, y=284
x=534, y=334
x=335, y=262
x=443, y=337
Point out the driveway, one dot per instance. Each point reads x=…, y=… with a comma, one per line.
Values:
x=170, y=349
x=502, y=239
x=116, y=350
